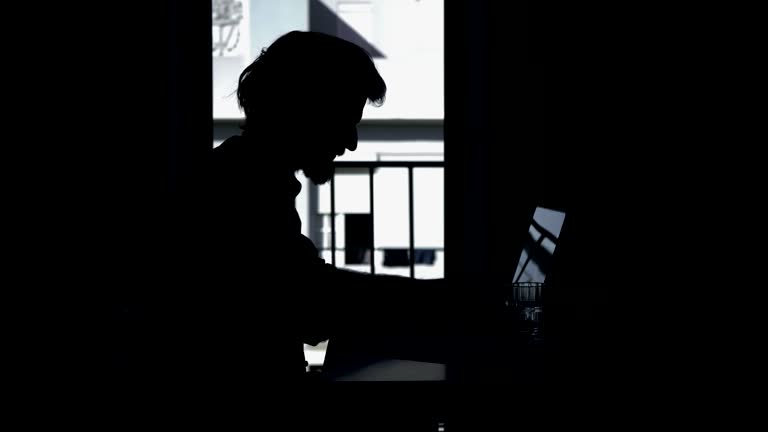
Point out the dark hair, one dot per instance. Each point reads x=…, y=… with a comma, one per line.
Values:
x=306, y=66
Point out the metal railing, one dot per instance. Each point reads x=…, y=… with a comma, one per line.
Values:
x=371, y=166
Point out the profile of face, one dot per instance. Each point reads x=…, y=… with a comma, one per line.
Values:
x=325, y=135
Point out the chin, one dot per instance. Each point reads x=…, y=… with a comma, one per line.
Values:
x=319, y=174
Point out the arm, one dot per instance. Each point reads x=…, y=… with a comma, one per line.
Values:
x=385, y=304
x=349, y=302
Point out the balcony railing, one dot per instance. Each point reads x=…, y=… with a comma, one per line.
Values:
x=371, y=166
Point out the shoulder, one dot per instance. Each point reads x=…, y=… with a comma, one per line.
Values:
x=230, y=158
x=229, y=148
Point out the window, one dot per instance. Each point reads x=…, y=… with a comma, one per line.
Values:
x=405, y=40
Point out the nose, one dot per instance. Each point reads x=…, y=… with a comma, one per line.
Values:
x=352, y=145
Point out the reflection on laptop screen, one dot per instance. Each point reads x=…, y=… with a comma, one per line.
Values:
x=540, y=242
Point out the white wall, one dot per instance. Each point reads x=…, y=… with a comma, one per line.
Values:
x=410, y=35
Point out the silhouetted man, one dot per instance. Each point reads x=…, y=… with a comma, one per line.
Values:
x=302, y=98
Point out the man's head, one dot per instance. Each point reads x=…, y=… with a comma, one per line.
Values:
x=308, y=91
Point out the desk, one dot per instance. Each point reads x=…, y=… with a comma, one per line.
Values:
x=391, y=370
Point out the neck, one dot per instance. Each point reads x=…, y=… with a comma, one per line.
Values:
x=269, y=147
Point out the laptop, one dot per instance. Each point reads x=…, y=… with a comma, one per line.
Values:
x=527, y=287
x=342, y=363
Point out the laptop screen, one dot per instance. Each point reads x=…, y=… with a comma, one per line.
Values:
x=539, y=246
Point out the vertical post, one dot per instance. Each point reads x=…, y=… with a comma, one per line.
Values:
x=333, y=218
x=315, y=218
x=373, y=243
x=411, y=249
